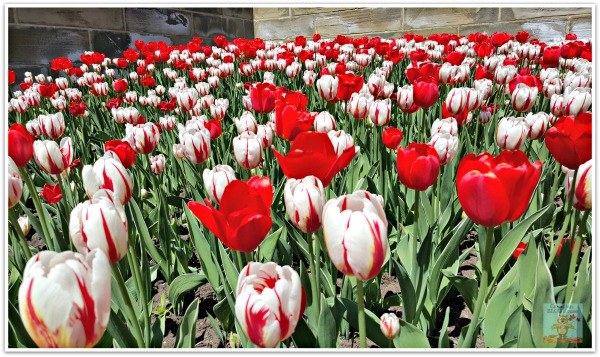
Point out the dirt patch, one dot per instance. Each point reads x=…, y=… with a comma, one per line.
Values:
x=354, y=342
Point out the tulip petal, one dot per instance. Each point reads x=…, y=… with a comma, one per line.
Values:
x=483, y=198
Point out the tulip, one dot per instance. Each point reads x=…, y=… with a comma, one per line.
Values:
x=143, y=138
x=359, y=105
x=34, y=128
x=520, y=249
x=523, y=97
x=15, y=183
x=304, y=201
x=313, y=154
x=577, y=101
x=265, y=134
x=511, y=133
x=246, y=122
x=196, y=145
x=100, y=223
x=425, y=91
x=324, y=122
x=570, y=140
x=244, y=215
x=120, y=85
x=263, y=97
x=504, y=74
x=178, y=151
x=123, y=151
x=582, y=199
x=557, y=105
x=167, y=122
x=51, y=193
x=20, y=145
x=50, y=157
x=473, y=100
x=127, y=115
x=391, y=137
x=187, y=98
x=355, y=231
x=247, y=150
x=64, y=299
x=291, y=121
x=506, y=182
x=552, y=87
x=157, y=163
x=446, y=146
x=456, y=100
x=341, y=141
x=269, y=302
x=107, y=173
x=348, y=84
x=390, y=325
x=537, y=124
x=52, y=125
x=216, y=180
x=445, y=126
x=24, y=224
x=380, y=112
x=405, y=99
x=418, y=166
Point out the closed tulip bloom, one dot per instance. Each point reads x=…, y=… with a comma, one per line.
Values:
x=15, y=183
x=157, y=163
x=52, y=125
x=187, y=99
x=405, y=99
x=341, y=141
x=390, y=325
x=418, y=166
x=269, y=302
x=264, y=133
x=51, y=157
x=380, y=112
x=314, y=154
x=391, y=137
x=538, y=124
x=484, y=87
x=473, y=100
x=100, y=223
x=552, y=87
x=19, y=104
x=523, y=97
x=494, y=190
x=120, y=85
x=178, y=151
x=217, y=111
x=582, y=199
x=445, y=126
x=519, y=250
x=446, y=146
x=34, y=128
x=246, y=122
x=557, y=107
x=425, y=91
x=359, y=105
x=143, y=138
x=577, y=101
x=167, y=122
x=123, y=150
x=216, y=180
x=107, y=173
x=355, y=231
x=263, y=97
x=504, y=74
x=247, y=150
x=244, y=215
x=375, y=84
x=20, y=144
x=511, y=133
x=196, y=145
x=570, y=140
x=456, y=100
x=328, y=86
x=324, y=122
x=64, y=299
x=51, y=193
x=348, y=84
x=304, y=201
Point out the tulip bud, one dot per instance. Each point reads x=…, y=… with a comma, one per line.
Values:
x=552, y=87
x=15, y=183
x=247, y=149
x=380, y=112
x=473, y=100
x=405, y=99
x=327, y=86
x=104, y=211
x=557, y=105
x=167, y=122
x=484, y=88
x=355, y=230
x=64, y=299
x=246, y=122
x=375, y=84
x=178, y=151
x=446, y=146
x=577, y=101
x=549, y=74
x=445, y=126
x=34, y=127
x=511, y=133
x=390, y=325
x=504, y=74
x=309, y=78
x=143, y=138
x=582, y=199
x=50, y=157
x=523, y=97
x=157, y=163
x=196, y=145
x=304, y=201
x=265, y=134
x=456, y=100
x=24, y=224
x=217, y=111
x=341, y=141
x=324, y=122
x=359, y=105
x=108, y=173
x=216, y=180
x=62, y=83
x=537, y=124
x=187, y=98
x=52, y=125
x=247, y=101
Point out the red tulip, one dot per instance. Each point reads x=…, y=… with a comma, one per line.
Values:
x=20, y=144
x=123, y=150
x=391, y=137
x=551, y=56
x=52, y=194
x=348, y=84
x=500, y=38
x=522, y=37
x=425, y=91
x=290, y=121
x=418, y=166
x=11, y=77
x=570, y=140
x=77, y=109
x=244, y=216
x=313, y=154
x=120, y=85
x=528, y=79
x=263, y=97
x=520, y=249
x=493, y=190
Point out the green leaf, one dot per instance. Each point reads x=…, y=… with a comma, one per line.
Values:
x=544, y=294
x=267, y=247
x=231, y=272
x=410, y=337
x=582, y=292
x=142, y=229
x=509, y=243
x=525, y=340
x=327, y=332
x=182, y=284
x=186, y=334
x=468, y=288
x=158, y=332
x=203, y=248
x=499, y=308
x=443, y=341
x=409, y=299
x=120, y=332
x=223, y=312
x=303, y=336
x=15, y=322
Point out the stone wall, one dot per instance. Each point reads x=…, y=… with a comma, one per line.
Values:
x=544, y=23
x=38, y=35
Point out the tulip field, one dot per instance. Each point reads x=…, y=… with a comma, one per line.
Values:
x=413, y=192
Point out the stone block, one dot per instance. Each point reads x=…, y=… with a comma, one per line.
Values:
x=453, y=30
x=11, y=15
x=582, y=26
x=159, y=21
x=296, y=11
x=205, y=10
x=521, y=13
x=544, y=30
x=285, y=29
x=88, y=18
x=249, y=29
x=431, y=17
x=40, y=45
x=263, y=13
x=239, y=12
x=359, y=21
x=207, y=27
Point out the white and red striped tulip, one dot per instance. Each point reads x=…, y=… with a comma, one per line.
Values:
x=523, y=97
x=445, y=126
x=108, y=173
x=582, y=199
x=50, y=157
x=456, y=100
x=327, y=86
x=359, y=105
x=196, y=145
x=380, y=112
x=341, y=141
x=187, y=98
x=34, y=127
x=247, y=150
x=577, y=101
x=355, y=230
x=404, y=97
x=64, y=299
x=304, y=200
x=100, y=223
x=446, y=146
x=246, y=122
x=269, y=302
x=309, y=78
x=142, y=138
x=52, y=125
x=15, y=183
x=324, y=122
x=511, y=133
x=390, y=325
x=168, y=122
x=265, y=134
x=216, y=180
x=537, y=124
x=157, y=163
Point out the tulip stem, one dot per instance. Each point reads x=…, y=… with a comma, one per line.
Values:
x=137, y=275
x=317, y=251
x=38, y=206
x=362, y=330
x=128, y=308
x=12, y=216
x=249, y=258
x=486, y=252
x=313, y=275
x=415, y=266
x=575, y=256
x=567, y=217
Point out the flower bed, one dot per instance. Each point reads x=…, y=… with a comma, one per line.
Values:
x=304, y=194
